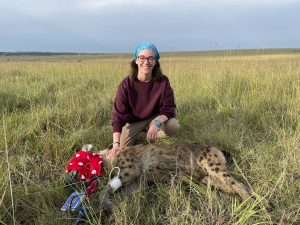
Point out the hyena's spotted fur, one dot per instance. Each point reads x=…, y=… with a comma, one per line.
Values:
x=160, y=163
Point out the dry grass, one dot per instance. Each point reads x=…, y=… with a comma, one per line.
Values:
x=247, y=105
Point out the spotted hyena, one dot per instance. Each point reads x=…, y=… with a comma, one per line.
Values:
x=160, y=163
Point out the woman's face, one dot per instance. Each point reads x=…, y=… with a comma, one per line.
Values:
x=146, y=61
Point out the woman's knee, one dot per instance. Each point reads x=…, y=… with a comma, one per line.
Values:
x=171, y=126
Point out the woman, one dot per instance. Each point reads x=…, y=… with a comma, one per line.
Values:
x=144, y=101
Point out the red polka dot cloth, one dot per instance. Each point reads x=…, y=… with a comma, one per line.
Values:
x=87, y=164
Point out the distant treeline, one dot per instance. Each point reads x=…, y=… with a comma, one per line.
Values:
x=46, y=53
x=228, y=52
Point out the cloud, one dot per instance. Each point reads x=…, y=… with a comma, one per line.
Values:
x=118, y=25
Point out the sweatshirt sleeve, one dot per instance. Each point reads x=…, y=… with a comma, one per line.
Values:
x=168, y=106
x=120, y=108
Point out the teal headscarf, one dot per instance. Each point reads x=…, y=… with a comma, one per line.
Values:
x=146, y=45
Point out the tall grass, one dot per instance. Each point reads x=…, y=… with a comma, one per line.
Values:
x=247, y=105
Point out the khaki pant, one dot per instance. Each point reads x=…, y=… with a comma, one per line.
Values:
x=131, y=130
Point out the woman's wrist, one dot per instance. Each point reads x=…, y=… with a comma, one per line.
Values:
x=157, y=123
x=116, y=139
x=116, y=144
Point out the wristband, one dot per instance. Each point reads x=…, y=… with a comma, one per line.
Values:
x=116, y=142
x=156, y=123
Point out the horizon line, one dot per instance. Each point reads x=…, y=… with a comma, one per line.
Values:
x=95, y=53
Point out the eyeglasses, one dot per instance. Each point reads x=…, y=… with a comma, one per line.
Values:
x=150, y=59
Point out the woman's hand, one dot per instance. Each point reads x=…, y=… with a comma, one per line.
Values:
x=115, y=150
x=152, y=132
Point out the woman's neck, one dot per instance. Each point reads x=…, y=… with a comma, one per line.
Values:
x=144, y=77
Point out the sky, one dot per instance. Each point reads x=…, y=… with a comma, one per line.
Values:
x=106, y=26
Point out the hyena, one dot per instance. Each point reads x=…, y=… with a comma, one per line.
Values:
x=159, y=163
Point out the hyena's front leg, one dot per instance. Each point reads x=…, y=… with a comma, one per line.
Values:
x=124, y=177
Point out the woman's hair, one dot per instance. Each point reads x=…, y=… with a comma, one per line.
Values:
x=156, y=72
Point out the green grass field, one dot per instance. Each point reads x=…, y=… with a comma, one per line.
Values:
x=247, y=103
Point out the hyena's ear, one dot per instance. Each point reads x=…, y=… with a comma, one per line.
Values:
x=103, y=152
x=89, y=148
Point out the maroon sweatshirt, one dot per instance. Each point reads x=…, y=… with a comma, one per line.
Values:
x=136, y=101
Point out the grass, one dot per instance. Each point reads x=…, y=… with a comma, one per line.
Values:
x=247, y=104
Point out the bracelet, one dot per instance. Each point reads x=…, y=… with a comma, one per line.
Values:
x=156, y=123
x=116, y=142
